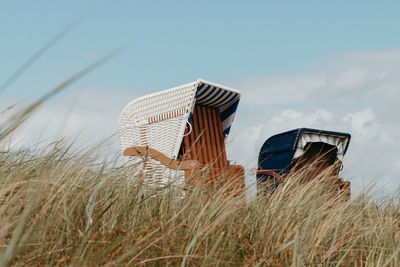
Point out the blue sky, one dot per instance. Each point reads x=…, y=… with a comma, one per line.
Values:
x=329, y=65
x=179, y=41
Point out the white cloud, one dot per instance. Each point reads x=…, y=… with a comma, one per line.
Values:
x=269, y=90
x=363, y=123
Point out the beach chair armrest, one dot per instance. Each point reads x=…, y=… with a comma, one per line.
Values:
x=165, y=160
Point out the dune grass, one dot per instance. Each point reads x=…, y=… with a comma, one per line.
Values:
x=63, y=208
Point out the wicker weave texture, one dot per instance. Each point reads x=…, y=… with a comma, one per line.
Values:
x=158, y=120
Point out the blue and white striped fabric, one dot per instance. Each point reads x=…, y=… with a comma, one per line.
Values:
x=222, y=98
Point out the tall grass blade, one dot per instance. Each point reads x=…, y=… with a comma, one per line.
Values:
x=212, y=251
x=189, y=248
x=9, y=254
x=335, y=235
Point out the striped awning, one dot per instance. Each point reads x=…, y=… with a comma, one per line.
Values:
x=220, y=97
x=339, y=141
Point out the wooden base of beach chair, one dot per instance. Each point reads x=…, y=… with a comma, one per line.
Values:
x=231, y=176
x=341, y=188
x=234, y=179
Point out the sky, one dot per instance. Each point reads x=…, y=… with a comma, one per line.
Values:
x=327, y=65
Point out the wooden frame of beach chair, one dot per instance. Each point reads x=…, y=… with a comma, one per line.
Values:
x=181, y=133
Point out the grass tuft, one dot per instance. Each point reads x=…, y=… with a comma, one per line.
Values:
x=63, y=208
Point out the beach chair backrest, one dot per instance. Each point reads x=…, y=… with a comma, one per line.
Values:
x=157, y=120
x=205, y=142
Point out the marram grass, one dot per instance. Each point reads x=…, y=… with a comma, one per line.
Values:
x=62, y=208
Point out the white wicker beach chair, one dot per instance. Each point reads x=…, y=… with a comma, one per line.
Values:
x=181, y=131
